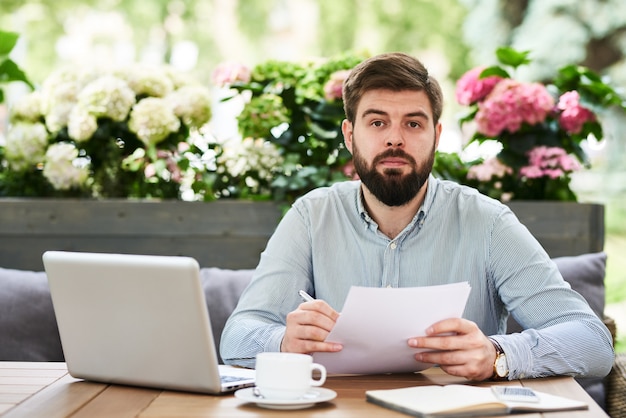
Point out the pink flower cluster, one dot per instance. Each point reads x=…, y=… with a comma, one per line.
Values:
x=552, y=162
x=470, y=88
x=487, y=170
x=333, y=89
x=510, y=104
x=573, y=116
x=505, y=104
x=227, y=73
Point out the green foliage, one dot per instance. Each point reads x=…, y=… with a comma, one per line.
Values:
x=9, y=70
x=289, y=109
x=511, y=57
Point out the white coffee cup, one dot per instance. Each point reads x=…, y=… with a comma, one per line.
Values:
x=286, y=375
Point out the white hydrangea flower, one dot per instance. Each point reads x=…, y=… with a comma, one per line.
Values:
x=61, y=168
x=148, y=81
x=81, y=124
x=26, y=145
x=153, y=119
x=250, y=154
x=59, y=93
x=107, y=96
x=28, y=108
x=58, y=110
x=192, y=104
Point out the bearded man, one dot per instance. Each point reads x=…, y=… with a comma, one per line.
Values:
x=398, y=226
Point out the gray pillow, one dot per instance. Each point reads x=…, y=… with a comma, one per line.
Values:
x=28, y=327
x=222, y=289
x=585, y=273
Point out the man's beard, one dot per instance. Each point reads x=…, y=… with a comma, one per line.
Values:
x=391, y=187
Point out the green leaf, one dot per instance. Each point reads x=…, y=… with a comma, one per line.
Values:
x=9, y=71
x=512, y=57
x=7, y=42
x=494, y=71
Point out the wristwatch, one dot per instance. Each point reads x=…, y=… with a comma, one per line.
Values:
x=500, y=366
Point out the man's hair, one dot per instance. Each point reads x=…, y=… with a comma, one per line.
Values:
x=392, y=71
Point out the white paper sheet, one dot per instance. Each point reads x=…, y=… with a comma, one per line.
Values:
x=376, y=323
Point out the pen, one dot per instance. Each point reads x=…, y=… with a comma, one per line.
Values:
x=305, y=296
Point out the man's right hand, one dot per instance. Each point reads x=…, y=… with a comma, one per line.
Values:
x=307, y=328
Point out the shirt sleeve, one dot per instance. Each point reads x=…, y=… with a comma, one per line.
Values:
x=562, y=336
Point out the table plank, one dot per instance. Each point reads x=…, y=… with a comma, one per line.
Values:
x=119, y=402
x=58, y=400
x=21, y=365
x=557, y=386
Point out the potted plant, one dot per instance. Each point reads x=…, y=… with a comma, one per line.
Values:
x=126, y=132
x=296, y=109
x=539, y=127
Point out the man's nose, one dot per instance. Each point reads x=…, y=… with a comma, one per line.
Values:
x=394, y=138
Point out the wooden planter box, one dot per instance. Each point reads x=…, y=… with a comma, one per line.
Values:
x=226, y=234
x=563, y=228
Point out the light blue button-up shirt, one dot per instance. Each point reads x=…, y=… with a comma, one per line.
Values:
x=327, y=242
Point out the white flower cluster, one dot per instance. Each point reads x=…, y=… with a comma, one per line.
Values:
x=153, y=119
x=62, y=168
x=251, y=159
x=72, y=104
x=26, y=145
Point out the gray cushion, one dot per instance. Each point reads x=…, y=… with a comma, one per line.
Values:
x=585, y=273
x=28, y=327
x=222, y=289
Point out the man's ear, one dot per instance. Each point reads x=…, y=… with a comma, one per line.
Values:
x=438, y=129
x=346, y=129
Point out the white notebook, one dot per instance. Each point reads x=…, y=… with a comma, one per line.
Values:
x=137, y=320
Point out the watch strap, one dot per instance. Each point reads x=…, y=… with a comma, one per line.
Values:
x=500, y=356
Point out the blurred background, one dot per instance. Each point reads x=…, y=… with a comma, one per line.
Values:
x=449, y=36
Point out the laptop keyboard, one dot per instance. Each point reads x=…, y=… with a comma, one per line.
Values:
x=231, y=379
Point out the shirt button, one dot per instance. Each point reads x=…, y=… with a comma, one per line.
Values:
x=393, y=245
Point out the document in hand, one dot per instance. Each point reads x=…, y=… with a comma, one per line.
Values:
x=376, y=323
x=463, y=401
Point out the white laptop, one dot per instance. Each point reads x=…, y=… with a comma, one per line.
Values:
x=137, y=320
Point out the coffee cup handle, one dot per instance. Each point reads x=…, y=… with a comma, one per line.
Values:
x=320, y=381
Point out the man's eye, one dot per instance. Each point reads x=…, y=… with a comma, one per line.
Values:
x=377, y=123
x=414, y=124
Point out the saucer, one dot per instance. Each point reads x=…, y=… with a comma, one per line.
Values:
x=313, y=396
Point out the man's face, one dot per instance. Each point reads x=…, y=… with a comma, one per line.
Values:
x=393, y=142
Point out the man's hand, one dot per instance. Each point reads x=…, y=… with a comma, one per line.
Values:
x=460, y=349
x=307, y=328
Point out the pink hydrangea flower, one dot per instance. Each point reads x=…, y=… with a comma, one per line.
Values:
x=573, y=116
x=470, y=88
x=227, y=73
x=552, y=162
x=488, y=169
x=333, y=89
x=512, y=103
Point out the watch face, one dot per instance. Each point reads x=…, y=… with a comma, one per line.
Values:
x=501, y=367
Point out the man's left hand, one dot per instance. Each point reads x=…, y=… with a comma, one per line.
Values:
x=459, y=348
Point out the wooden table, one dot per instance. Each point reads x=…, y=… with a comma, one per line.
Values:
x=47, y=390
